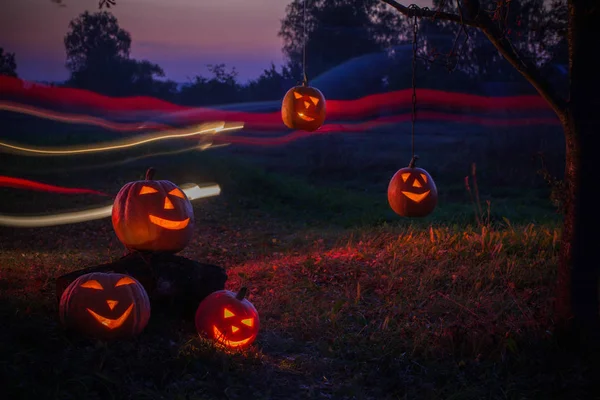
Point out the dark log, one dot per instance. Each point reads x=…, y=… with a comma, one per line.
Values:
x=175, y=284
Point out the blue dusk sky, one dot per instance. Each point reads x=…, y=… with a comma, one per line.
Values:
x=182, y=36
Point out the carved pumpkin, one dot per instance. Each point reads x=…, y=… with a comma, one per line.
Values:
x=228, y=318
x=412, y=192
x=303, y=108
x=105, y=306
x=153, y=215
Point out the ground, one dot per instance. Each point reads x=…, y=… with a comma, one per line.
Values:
x=354, y=301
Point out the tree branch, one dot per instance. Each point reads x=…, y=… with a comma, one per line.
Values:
x=492, y=32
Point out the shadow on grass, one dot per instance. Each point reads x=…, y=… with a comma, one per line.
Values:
x=40, y=360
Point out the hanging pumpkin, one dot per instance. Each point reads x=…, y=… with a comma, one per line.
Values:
x=153, y=215
x=105, y=306
x=228, y=318
x=303, y=108
x=412, y=192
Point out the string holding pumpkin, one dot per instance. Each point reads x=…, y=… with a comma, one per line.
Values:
x=303, y=106
x=412, y=191
x=153, y=215
x=228, y=318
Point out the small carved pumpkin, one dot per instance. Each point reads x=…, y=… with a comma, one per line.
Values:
x=228, y=318
x=153, y=215
x=412, y=192
x=105, y=306
x=303, y=108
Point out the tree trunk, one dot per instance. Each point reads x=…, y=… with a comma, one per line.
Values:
x=578, y=276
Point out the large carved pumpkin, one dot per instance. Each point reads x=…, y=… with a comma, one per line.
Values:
x=412, y=192
x=303, y=108
x=228, y=318
x=153, y=215
x=105, y=306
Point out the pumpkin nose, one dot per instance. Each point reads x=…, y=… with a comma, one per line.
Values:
x=417, y=184
x=112, y=304
x=234, y=329
x=168, y=204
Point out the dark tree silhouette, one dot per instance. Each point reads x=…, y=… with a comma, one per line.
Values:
x=336, y=31
x=270, y=85
x=221, y=88
x=98, y=57
x=577, y=308
x=95, y=39
x=536, y=29
x=8, y=65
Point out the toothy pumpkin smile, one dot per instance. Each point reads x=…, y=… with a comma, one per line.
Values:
x=229, y=343
x=111, y=323
x=168, y=224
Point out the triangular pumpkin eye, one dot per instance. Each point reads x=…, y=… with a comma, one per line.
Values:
x=405, y=176
x=125, y=281
x=315, y=100
x=228, y=314
x=424, y=177
x=177, y=193
x=248, y=321
x=92, y=285
x=297, y=95
x=147, y=190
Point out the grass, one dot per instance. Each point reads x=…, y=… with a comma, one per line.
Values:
x=355, y=303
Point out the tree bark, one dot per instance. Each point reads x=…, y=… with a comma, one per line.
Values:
x=577, y=301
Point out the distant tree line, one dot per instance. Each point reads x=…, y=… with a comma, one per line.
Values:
x=98, y=51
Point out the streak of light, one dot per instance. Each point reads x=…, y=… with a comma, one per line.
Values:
x=203, y=129
x=382, y=121
x=79, y=119
x=20, y=183
x=337, y=110
x=199, y=147
x=192, y=191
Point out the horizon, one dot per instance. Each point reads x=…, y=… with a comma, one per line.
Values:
x=236, y=33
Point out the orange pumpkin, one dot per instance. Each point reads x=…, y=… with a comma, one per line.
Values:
x=151, y=215
x=105, y=306
x=303, y=108
x=412, y=192
x=228, y=318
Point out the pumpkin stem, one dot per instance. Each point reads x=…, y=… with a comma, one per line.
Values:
x=242, y=293
x=150, y=174
x=413, y=162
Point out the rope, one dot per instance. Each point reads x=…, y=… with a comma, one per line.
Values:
x=305, y=79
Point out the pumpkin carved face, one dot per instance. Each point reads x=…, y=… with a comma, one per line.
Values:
x=105, y=305
x=303, y=108
x=153, y=215
x=412, y=192
x=228, y=318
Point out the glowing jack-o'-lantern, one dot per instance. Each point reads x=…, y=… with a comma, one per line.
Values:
x=105, y=306
x=303, y=108
x=153, y=215
x=412, y=192
x=228, y=318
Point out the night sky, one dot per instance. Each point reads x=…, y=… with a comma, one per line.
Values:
x=182, y=36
